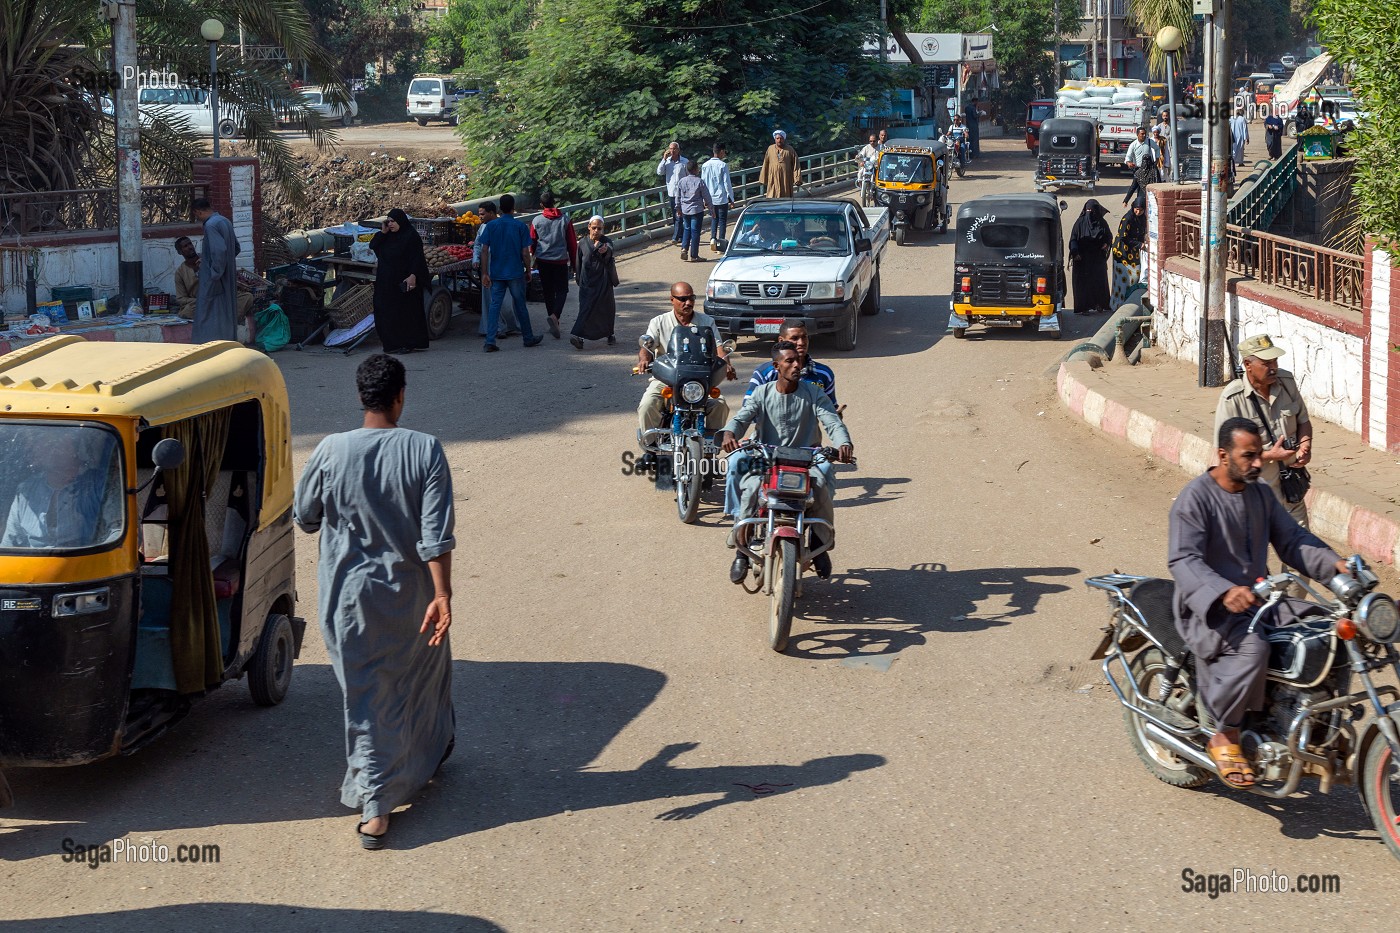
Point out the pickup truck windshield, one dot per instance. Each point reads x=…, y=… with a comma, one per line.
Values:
x=794, y=233
x=905, y=169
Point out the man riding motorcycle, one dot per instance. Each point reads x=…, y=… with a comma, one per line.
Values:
x=651, y=412
x=795, y=331
x=956, y=139
x=1219, y=534
x=788, y=412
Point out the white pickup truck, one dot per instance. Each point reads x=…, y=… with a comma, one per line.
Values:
x=1118, y=123
x=817, y=261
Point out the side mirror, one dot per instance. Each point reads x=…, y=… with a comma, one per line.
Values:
x=646, y=342
x=728, y=347
x=863, y=245
x=723, y=245
x=168, y=454
x=1064, y=205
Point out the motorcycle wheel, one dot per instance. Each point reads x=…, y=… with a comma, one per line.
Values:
x=1146, y=669
x=784, y=592
x=1380, y=792
x=958, y=167
x=688, y=486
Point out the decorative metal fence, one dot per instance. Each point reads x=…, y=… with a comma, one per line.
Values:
x=650, y=208
x=91, y=209
x=1316, y=272
x=1260, y=198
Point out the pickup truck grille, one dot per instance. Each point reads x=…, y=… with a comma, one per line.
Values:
x=786, y=290
x=1010, y=286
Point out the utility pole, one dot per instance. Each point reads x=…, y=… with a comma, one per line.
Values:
x=1094, y=65
x=1214, y=246
x=131, y=279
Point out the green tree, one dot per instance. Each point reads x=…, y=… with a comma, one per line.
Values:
x=479, y=35
x=606, y=84
x=1023, y=44
x=1151, y=16
x=1364, y=36
x=361, y=32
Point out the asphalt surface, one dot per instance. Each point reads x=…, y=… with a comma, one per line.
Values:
x=630, y=754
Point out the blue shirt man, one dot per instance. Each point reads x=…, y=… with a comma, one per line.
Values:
x=505, y=261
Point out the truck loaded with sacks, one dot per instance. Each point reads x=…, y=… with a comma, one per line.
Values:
x=1117, y=107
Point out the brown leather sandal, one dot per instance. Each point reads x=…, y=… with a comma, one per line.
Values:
x=1231, y=764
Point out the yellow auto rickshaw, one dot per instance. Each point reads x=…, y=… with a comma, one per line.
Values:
x=911, y=179
x=146, y=555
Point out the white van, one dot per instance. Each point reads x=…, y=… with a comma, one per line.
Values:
x=435, y=97
x=190, y=103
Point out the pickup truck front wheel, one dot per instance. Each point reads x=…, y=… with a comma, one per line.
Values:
x=871, y=304
x=846, y=336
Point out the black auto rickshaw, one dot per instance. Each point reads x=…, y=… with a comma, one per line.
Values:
x=1190, y=149
x=146, y=555
x=911, y=179
x=1069, y=154
x=1009, y=264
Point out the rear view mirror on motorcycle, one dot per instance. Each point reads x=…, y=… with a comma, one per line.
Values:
x=728, y=346
x=647, y=342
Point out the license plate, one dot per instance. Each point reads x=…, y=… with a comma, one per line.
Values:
x=1001, y=322
x=767, y=325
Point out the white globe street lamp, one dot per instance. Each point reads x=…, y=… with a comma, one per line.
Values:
x=1169, y=39
x=212, y=30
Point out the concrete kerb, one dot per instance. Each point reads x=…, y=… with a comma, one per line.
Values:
x=1360, y=530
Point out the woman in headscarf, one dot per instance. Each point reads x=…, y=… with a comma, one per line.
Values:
x=1089, y=243
x=400, y=283
x=1127, y=251
x=597, y=277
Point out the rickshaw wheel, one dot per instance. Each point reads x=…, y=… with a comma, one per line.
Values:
x=270, y=670
x=959, y=333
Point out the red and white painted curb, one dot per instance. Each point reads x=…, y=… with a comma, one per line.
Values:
x=1375, y=537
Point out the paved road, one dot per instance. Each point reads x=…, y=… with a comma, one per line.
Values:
x=631, y=756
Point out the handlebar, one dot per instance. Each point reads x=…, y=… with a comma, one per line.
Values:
x=830, y=454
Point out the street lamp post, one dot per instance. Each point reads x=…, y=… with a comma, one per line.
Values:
x=1211, y=370
x=212, y=30
x=1169, y=39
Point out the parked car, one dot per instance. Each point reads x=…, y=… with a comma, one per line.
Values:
x=1276, y=69
x=193, y=105
x=1289, y=61
x=435, y=97
x=317, y=99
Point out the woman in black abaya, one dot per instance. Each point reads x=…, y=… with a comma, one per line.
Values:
x=597, y=277
x=1089, y=243
x=400, y=282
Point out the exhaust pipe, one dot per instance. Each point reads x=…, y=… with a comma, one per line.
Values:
x=1178, y=745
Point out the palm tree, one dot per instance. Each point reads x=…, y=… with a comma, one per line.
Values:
x=1152, y=15
x=54, y=134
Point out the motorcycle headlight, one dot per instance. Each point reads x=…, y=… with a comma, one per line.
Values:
x=822, y=290
x=692, y=392
x=1378, y=618
x=793, y=483
x=921, y=199
x=722, y=290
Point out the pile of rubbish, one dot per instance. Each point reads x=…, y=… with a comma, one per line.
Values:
x=344, y=188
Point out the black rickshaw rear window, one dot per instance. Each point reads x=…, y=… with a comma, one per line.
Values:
x=1004, y=236
x=1064, y=141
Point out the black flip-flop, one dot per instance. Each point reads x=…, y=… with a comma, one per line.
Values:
x=368, y=840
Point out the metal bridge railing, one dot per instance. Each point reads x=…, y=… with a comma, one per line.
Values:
x=650, y=209
x=1259, y=198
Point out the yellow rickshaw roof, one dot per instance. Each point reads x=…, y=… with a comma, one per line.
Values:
x=157, y=382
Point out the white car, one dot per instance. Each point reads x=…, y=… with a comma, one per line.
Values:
x=1289, y=61
x=317, y=100
x=190, y=103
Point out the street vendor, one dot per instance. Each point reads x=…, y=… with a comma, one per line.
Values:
x=187, y=288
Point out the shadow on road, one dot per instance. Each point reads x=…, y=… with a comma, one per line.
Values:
x=285, y=917
x=902, y=607
x=1311, y=815
x=527, y=732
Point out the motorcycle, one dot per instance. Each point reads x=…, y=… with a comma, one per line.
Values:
x=776, y=540
x=867, y=182
x=959, y=148
x=691, y=371
x=1313, y=722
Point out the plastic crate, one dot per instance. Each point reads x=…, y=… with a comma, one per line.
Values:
x=303, y=272
x=71, y=293
x=435, y=231
x=342, y=243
